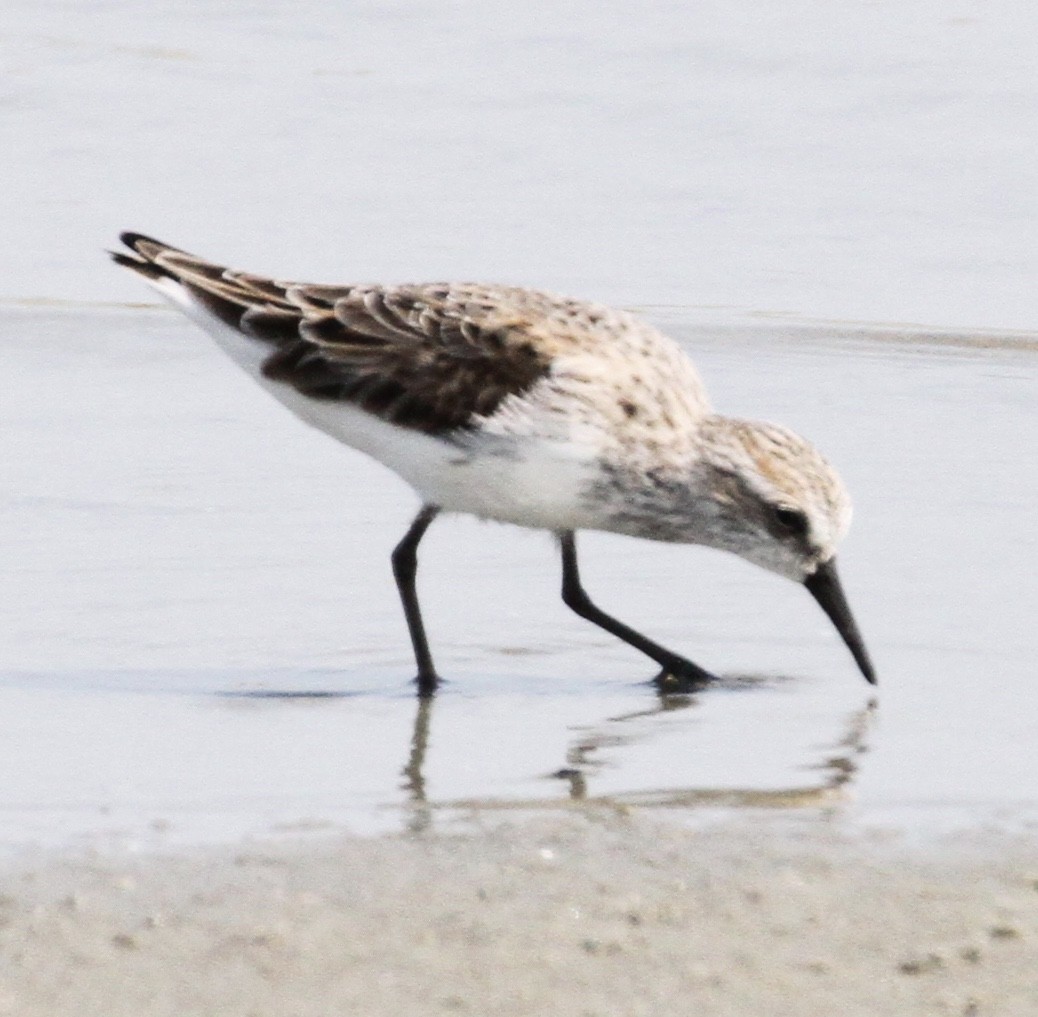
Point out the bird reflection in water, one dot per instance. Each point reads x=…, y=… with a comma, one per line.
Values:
x=419, y=810
x=834, y=772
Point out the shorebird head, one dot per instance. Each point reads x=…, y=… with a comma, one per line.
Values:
x=775, y=501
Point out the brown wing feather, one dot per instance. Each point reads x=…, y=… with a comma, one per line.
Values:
x=425, y=357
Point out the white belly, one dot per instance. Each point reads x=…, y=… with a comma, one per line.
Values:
x=528, y=482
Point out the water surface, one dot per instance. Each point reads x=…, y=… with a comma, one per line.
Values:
x=201, y=637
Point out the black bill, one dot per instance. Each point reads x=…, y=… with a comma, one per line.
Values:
x=825, y=588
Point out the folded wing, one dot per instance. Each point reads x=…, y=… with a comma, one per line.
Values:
x=428, y=357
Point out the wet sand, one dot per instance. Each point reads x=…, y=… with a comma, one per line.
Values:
x=600, y=913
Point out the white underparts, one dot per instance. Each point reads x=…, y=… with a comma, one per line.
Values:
x=528, y=481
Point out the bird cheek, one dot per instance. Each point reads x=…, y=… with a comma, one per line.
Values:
x=784, y=561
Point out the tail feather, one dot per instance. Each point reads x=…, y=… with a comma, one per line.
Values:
x=143, y=268
x=147, y=256
x=222, y=290
x=144, y=245
x=187, y=280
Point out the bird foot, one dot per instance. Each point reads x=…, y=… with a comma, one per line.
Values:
x=680, y=676
x=427, y=684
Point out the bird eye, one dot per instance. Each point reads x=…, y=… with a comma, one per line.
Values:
x=790, y=521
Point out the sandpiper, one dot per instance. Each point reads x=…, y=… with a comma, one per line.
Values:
x=526, y=408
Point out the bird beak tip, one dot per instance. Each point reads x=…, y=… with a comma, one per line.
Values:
x=824, y=585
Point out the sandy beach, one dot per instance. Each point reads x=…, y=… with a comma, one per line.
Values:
x=595, y=914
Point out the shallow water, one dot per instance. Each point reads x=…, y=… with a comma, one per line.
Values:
x=860, y=160
x=201, y=637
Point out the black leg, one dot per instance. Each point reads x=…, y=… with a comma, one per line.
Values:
x=405, y=566
x=678, y=674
